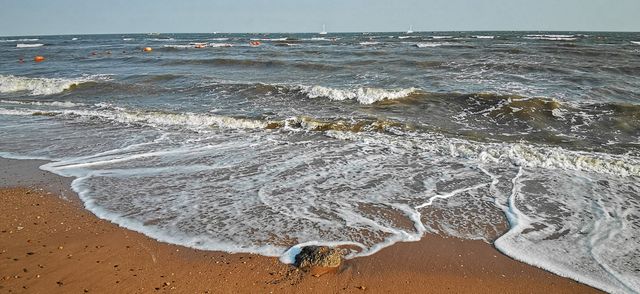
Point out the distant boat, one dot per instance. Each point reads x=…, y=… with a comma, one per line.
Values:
x=410, y=31
x=324, y=31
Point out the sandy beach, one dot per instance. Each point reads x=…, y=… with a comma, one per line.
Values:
x=50, y=244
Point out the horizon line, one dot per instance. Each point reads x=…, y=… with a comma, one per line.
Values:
x=329, y=32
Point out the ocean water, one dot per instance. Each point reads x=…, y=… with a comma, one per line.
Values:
x=527, y=140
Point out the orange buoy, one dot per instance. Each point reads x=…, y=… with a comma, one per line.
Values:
x=147, y=49
x=254, y=43
x=38, y=58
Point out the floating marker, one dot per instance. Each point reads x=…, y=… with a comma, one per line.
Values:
x=38, y=58
x=147, y=49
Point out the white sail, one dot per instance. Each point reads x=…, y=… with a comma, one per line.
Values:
x=324, y=31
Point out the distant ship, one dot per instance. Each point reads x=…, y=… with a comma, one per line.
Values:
x=410, y=31
x=324, y=31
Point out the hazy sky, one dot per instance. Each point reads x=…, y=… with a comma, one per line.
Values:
x=34, y=17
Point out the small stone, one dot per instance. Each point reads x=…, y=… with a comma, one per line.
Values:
x=319, y=259
x=322, y=256
x=362, y=288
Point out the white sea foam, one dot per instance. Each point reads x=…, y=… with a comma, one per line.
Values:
x=219, y=45
x=269, y=39
x=363, y=95
x=191, y=121
x=357, y=185
x=369, y=43
x=635, y=42
x=430, y=45
x=441, y=37
x=19, y=40
x=484, y=37
x=22, y=45
x=197, y=45
x=219, y=39
x=319, y=39
x=183, y=46
x=128, y=39
x=41, y=86
x=551, y=37
x=66, y=104
x=591, y=240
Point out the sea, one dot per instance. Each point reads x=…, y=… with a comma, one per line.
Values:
x=263, y=143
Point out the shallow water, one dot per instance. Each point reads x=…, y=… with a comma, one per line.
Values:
x=528, y=140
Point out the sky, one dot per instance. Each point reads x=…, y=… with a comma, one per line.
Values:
x=50, y=17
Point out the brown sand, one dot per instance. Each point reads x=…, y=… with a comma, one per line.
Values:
x=52, y=245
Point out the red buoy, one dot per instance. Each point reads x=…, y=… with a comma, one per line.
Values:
x=38, y=58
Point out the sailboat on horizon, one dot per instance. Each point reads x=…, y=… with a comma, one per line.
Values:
x=324, y=31
x=410, y=31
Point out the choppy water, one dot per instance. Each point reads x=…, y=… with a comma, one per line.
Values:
x=528, y=140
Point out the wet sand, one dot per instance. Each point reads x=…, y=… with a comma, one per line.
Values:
x=50, y=244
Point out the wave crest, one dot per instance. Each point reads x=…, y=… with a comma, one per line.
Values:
x=363, y=95
x=20, y=45
x=41, y=86
x=65, y=104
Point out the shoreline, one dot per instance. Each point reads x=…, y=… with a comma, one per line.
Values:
x=51, y=244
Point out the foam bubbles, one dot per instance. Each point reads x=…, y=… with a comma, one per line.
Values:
x=362, y=95
x=551, y=37
x=67, y=104
x=22, y=45
x=272, y=191
x=41, y=86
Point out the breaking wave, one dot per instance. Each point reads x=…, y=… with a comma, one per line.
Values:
x=65, y=104
x=192, y=121
x=551, y=37
x=19, y=40
x=363, y=95
x=20, y=45
x=41, y=86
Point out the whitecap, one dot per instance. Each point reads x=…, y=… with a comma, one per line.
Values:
x=363, y=95
x=21, y=45
x=551, y=37
x=41, y=86
x=218, y=45
x=65, y=104
x=430, y=45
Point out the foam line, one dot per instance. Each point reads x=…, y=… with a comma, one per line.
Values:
x=450, y=194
